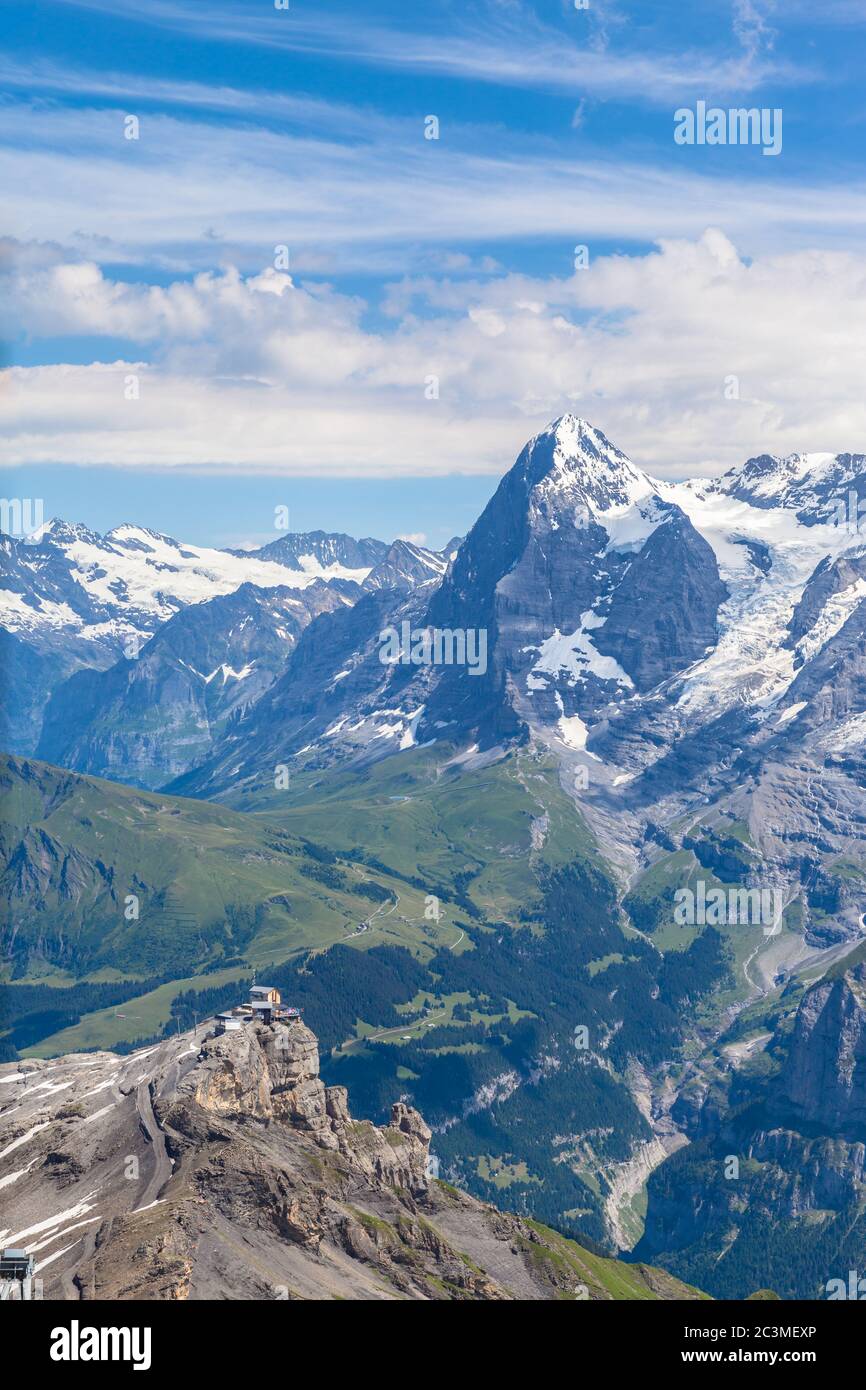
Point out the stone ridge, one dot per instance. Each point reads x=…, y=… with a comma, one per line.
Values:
x=272, y=1073
x=223, y=1168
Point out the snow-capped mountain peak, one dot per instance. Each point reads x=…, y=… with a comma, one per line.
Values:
x=133, y=537
x=58, y=532
x=572, y=463
x=821, y=488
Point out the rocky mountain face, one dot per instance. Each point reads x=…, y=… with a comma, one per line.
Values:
x=221, y=1167
x=406, y=565
x=822, y=1085
x=772, y=1187
x=334, y=699
x=577, y=541
x=73, y=599
x=27, y=676
x=151, y=717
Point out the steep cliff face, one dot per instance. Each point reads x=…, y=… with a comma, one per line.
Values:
x=773, y=1188
x=272, y=1074
x=822, y=1087
x=590, y=584
x=158, y=710
x=223, y=1167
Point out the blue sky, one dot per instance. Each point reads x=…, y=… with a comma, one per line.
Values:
x=165, y=364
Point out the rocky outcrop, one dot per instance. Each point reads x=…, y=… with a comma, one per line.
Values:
x=272, y=1073
x=405, y=566
x=832, y=685
x=223, y=1168
x=831, y=577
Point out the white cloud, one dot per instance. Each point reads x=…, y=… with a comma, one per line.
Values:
x=126, y=88
x=262, y=374
x=578, y=114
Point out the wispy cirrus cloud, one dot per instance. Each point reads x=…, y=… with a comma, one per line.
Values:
x=752, y=26
x=509, y=45
x=190, y=194
x=262, y=106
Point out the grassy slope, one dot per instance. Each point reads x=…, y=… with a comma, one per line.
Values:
x=211, y=862
x=650, y=904
x=423, y=818
x=604, y=1278
x=195, y=864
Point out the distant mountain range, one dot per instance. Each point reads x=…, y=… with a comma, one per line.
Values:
x=621, y=615
x=72, y=600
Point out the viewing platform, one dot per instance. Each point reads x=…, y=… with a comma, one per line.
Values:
x=265, y=1006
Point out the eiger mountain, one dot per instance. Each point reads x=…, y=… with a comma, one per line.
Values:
x=606, y=595
x=466, y=873
x=675, y=642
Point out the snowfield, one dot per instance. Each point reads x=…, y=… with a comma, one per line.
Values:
x=141, y=577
